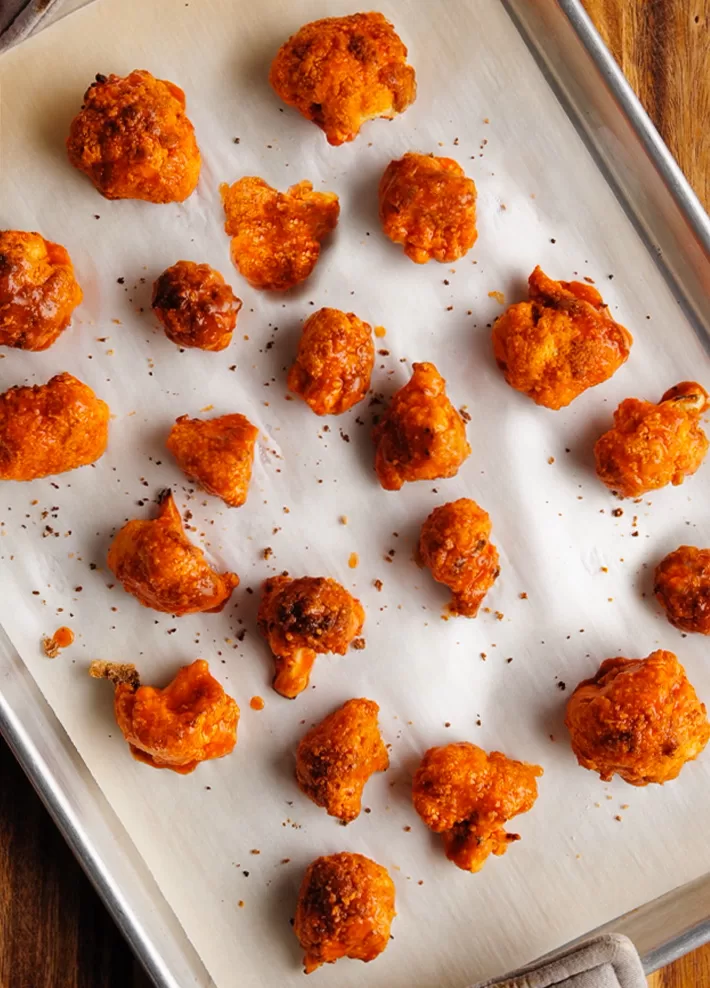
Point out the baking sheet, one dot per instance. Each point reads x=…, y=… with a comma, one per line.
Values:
x=492, y=111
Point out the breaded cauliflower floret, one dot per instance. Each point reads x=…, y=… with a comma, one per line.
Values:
x=189, y=721
x=466, y=795
x=157, y=563
x=637, y=718
x=38, y=290
x=420, y=436
x=336, y=758
x=454, y=545
x=651, y=446
x=218, y=453
x=276, y=236
x=345, y=909
x=682, y=588
x=429, y=205
x=134, y=140
x=342, y=71
x=560, y=343
x=303, y=618
x=50, y=428
x=334, y=362
x=195, y=305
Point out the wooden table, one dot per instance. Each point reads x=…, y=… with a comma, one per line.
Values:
x=54, y=932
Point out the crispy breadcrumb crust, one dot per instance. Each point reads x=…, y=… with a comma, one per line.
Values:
x=637, y=718
x=420, y=436
x=133, y=139
x=428, y=205
x=276, y=236
x=38, y=290
x=334, y=363
x=157, y=563
x=651, y=446
x=345, y=909
x=342, y=71
x=336, y=757
x=303, y=618
x=454, y=544
x=559, y=343
x=467, y=795
x=195, y=306
x=50, y=428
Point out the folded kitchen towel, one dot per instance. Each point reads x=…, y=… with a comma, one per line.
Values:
x=21, y=18
x=609, y=961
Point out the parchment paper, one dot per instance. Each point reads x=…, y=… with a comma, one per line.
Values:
x=589, y=851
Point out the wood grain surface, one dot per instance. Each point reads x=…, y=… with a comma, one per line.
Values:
x=54, y=932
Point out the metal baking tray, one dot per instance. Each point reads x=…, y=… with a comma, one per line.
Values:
x=676, y=230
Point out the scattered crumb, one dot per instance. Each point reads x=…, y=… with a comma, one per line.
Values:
x=256, y=703
x=353, y=560
x=115, y=672
x=358, y=644
x=380, y=331
x=498, y=296
x=377, y=584
x=343, y=519
x=617, y=512
x=550, y=459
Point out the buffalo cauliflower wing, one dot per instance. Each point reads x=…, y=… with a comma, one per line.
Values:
x=420, y=436
x=651, y=446
x=340, y=72
x=189, y=721
x=218, y=453
x=559, y=343
x=682, y=588
x=336, y=758
x=454, y=545
x=428, y=205
x=133, y=139
x=466, y=795
x=303, y=618
x=38, y=290
x=276, y=236
x=157, y=563
x=50, y=428
x=638, y=718
x=195, y=305
x=334, y=362
x=345, y=909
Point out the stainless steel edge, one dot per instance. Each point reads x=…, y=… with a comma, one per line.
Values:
x=668, y=169
x=92, y=829
x=671, y=220
x=625, y=145
x=668, y=215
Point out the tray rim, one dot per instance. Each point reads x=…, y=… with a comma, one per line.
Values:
x=45, y=781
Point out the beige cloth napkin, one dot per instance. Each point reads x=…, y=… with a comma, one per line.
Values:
x=609, y=961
